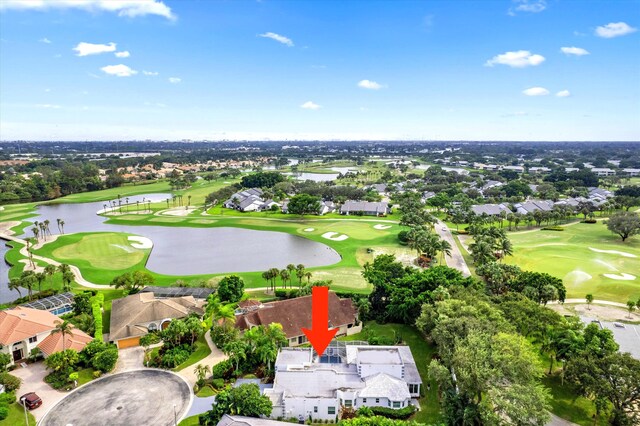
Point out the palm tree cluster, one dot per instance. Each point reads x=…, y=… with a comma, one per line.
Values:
x=490, y=244
x=28, y=279
x=286, y=275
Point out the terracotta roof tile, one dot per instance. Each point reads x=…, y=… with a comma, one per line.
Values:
x=20, y=323
x=53, y=342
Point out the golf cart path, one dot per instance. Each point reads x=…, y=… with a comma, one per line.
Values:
x=455, y=260
x=596, y=302
x=212, y=359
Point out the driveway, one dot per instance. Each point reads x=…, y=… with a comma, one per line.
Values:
x=456, y=260
x=130, y=359
x=143, y=397
x=33, y=381
x=212, y=359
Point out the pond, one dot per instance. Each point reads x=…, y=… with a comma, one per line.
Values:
x=192, y=251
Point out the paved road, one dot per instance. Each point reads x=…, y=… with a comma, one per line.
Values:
x=143, y=397
x=456, y=260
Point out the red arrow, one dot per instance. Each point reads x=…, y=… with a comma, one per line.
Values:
x=320, y=335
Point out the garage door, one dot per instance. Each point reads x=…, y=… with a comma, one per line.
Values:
x=128, y=343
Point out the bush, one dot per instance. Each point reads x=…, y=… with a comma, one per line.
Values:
x=59, y=379
x=402, y=237
x=463, y=232
x=149, y=339
x=217, y=383
x=7, y=397
x=221, y=335
x=96, y=310
x=364, y=412
x=589, y=221
x=93, y=348
x=394, y=413
x=553, y=228
x=9, y=381
x=105, y=361
x=231, y=289
x=175, y=356
x=222, y=370
x=5, y=360
x=4, y=411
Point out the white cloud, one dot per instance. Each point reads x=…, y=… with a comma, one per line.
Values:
x=531, y=6
x=577, y=51
x=86, y=49
x=536, y=91
x=128, y=8
x=48, y=106
x=119, y=70
x=149, y=73
x=563, y=94
x=124, y=54
x=517, y=59
x=368, y=84
x=47, y=90
x=277, y=37
x=310, y=105
x=45, y=40
x=615, y=29
x=174, y=80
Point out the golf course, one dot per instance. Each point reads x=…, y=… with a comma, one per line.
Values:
x=588, y=258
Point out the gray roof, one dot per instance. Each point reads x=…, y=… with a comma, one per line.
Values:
x=384, y=385
x=489, y=209
x=364, y=206
x=163, y=292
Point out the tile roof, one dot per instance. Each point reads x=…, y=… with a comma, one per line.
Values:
x=53, y=342
x=128, y=313
x=295, y=314
x=21, y=323
x=384, y=385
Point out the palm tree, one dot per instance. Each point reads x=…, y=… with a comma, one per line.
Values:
x=35, y=231
x=631, y=305
x=445, y=249
x=40, y=277
x=308, y=277
x=64, y=328
x=58, y=221
x=505, y=247
x=15, y=284
x=284, y=276
x=201, y=371
x=62, y=225
x=300, y=272
x=46, y=226
x=219, y=312
x=49, y=271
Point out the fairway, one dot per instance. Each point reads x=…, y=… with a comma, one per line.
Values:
x=102, y=250
x=587, y=257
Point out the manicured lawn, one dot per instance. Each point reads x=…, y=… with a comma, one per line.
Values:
x=16, y=416
x=566, y=404
x=569, y=255
x=206, y=391
x=85, y=376
x=112, y=193
x=422, y=352
x=189, y=421
x=202, y=351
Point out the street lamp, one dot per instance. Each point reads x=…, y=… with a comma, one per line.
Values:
x=24, y=406
x=175, y=416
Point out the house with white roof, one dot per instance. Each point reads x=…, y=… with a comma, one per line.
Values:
x=348, y=375
x=249, y=200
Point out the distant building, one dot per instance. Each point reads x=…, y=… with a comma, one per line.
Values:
x=517, y=169
x=489, y=209
x=603, y=171
x=346, y=376
x=249, y=200
x=325, y=207
x=631, y=172
x=539, y=170
x=295, y=314
x=365, y=208
x=532, y=206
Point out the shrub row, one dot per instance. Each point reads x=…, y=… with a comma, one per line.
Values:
x=553, y=228
x=97, y=302
x=393, y=413
x=589, y=221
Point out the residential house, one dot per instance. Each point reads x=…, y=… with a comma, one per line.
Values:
x=24, y=329
x=325, y=207
x=365, y=208
x=490, y=184
x=571, y=169
x=136, y=315
x=490, y=209
x=228, y=420
x=348, y=375
x=249, y=200
x=539, y=170
x=631, y=172
x=517, y=169
x=533, y=205
x=603, y=171
x=380, y=188
x=295, y=314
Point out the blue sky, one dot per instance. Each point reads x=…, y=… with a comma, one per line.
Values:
x=243, y=69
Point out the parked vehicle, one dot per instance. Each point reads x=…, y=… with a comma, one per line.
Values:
x=31, y=400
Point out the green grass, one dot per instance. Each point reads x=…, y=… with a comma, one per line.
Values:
x=16, y=416
x=206, y=391
x=567, y=404
x=567, y=255
x=112, y=193
x=201, y=351
x=190, y=421
x=422, y=352
x=85, y=376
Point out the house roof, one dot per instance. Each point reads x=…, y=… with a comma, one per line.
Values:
x=295, y=314
x=489, y=209
x=128, y=313
x=20, y=323
x=53, y=342
x=384, y=385
x=364, y=206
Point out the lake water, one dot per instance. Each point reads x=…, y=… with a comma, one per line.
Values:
x=192, y=251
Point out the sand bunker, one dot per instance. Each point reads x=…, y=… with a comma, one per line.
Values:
x=620, y=253
x=381, y=226
x=309, y=229
x=576, y=277
x=140, y=242
x=621, y=277
x=181, y=211
x=334, y=236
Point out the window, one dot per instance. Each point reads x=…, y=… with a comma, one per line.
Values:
x=348, y=403
x=413, y=389
x=302, y=339
x=315, y=409
x=388, y=403
x=377, y=400
x=364, y=400
x=331, y=410
x=396, y=404
x=33, y=339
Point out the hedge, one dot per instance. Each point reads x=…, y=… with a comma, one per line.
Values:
x=96, y=309
x=553, y=228
x=10, y=381
x=589, y=221
x=394, y=413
